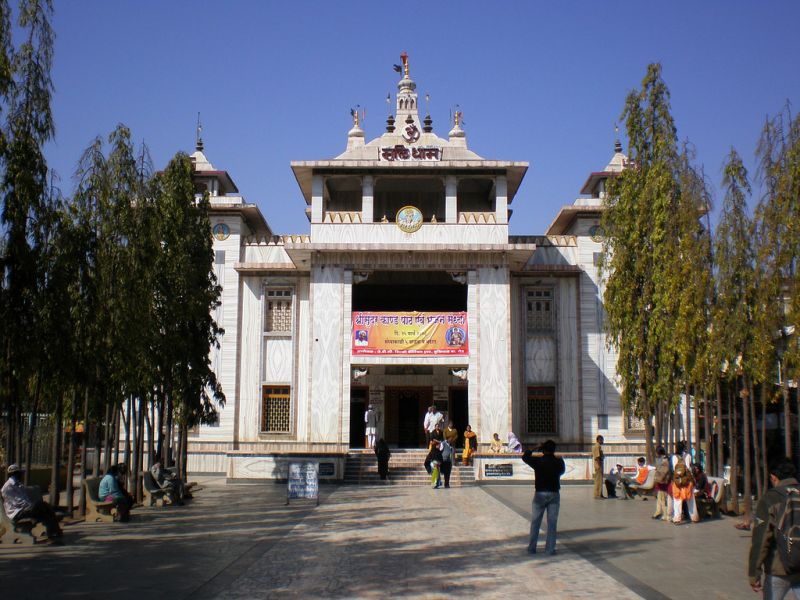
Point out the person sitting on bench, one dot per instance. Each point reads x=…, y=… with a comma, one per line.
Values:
x=169, y=482
x=110, y=491
x=20, y=502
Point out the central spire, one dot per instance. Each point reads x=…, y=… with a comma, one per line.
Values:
x=407, y=108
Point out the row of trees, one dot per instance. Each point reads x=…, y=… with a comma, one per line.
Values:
x=106, y=294
x=698, y=313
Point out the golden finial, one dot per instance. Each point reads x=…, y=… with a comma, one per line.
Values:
x=404, y=58
x=357, y=118
x=457, y=117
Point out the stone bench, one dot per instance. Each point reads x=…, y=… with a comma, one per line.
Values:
x=97, y=510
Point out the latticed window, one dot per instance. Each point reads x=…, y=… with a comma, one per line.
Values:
x=539, y=309
x=541, y=417
x=279, y=311
x=275, y=409
x=633, y=423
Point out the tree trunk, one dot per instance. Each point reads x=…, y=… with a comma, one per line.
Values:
x=688, y=419
x=136, y=458
x=746, y=436
x=151, y=432
x=659, y=419
x=754, y=434
x=733, y=446
x=710, y=466
x=127, y=423
x=720, y=433
x=764, y=457
x=140, y=450
x=108, y=430
x=115, y=437
x=82, y=492
x=185, y=453
x=787, y=417
x=702, y=457
x=71, y=456
x=179, y=453
x=56, y=471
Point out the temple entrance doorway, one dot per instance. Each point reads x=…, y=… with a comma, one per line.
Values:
x=458, y=411
x=405, y=411
x=358, y=406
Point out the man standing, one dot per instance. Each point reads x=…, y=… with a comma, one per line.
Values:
x=597, y=460
x=548, y=470
x=371, y=420
x=20, y=503
x=428, y=426
x=777, y=580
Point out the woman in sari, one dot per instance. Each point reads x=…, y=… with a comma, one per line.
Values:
x=470, y=445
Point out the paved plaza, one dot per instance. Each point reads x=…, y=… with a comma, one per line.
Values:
x=242, y=541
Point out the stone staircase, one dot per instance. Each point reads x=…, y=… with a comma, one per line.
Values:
x=405, y=468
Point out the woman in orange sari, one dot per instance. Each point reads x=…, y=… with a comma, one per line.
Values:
x=470, y=445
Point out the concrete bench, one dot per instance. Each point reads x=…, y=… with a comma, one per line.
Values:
x=153, y=494
x=709, y=507
x=97, y=510
x=24, y=532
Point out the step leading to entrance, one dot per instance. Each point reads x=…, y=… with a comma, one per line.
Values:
x=406, y=467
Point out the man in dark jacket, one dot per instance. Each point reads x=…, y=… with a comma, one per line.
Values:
x=764, y=555
x=548, y=470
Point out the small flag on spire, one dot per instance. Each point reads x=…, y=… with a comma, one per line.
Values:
x=397, y=68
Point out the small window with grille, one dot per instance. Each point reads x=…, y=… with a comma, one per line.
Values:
x=539, y=308
x=278, y=311
x=541, y=417
x=275, y=409
x=634, y=424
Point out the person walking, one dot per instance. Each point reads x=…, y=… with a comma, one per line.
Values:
x=447, y=461
x=435, y=461
x=548, y=470
x=766, y=570
x=382, y=453
x=662, y=479
x=371, y=421
x=683, y=485
x=597, y=461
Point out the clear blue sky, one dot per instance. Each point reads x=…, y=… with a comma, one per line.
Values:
x=542, y=82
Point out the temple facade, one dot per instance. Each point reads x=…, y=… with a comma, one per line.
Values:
x=407, y=291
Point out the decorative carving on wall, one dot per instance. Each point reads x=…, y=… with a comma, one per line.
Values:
x=360, y=373
x=459, y=373
x=458, y=276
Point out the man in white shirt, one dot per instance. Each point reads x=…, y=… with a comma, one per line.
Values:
x=432, y=418
x=20, y=503
x=371, y=420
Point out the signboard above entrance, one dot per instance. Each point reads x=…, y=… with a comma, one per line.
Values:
x=401, y=153
x=410, y=333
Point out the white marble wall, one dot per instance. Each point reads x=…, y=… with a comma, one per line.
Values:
x=250, y=358
x=302, y=363
x=327, y=352
x=225, y=359
x=494, y=314
x=389, y=233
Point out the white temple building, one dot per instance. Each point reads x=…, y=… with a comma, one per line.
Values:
x=407, y=291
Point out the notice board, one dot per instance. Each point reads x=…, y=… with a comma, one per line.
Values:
x=303, y=481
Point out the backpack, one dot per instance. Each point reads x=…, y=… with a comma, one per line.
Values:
x=663, y=474
x=786, y=517
x=681, y=476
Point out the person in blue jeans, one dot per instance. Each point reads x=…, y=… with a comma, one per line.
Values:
x=548, y=469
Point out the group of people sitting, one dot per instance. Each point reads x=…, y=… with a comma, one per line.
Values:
x=679, y=484
x=514, y=446
x=22, y=502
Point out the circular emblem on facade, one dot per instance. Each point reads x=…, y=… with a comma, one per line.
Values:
x=596, y=233
x=409, y=219
x=411, y=133
x=221, y=231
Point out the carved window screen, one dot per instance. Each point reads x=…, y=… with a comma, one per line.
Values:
x=278, y=311
x=541, y=415
x=539, y=309
x=276, y=409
